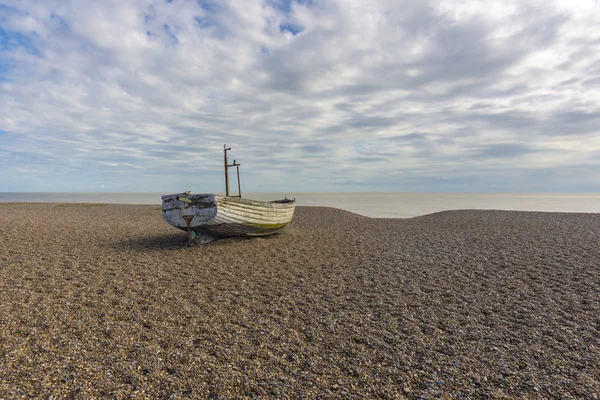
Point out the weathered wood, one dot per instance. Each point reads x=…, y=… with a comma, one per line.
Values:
x=225, y=148
x=227, y=216
x=238, y=176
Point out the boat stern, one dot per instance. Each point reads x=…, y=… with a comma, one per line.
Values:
x=199, y=208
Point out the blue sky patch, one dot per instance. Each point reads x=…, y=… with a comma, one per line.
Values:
x=287, y=5
x=4, y=67
x=211, y=7
x=59, y=21
x=281, y=5
x=203, y=22
x=293, y=29
x=12, y=40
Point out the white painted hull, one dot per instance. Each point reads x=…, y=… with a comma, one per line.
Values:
x=227, y=216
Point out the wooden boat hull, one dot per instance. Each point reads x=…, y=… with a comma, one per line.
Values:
x=227, y=216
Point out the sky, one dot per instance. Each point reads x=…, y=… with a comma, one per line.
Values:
x=311, y=95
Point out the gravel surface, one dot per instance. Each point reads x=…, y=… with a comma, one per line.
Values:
x=107, y=301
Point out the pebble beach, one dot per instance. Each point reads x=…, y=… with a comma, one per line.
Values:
x=107, y=301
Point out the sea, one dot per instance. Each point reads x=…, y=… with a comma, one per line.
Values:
x=376, y=205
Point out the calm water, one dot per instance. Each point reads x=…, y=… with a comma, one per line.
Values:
x=379, y=205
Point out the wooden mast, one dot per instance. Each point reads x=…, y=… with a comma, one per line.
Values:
x=238, y=175
x=225, y=148
x=235, y=164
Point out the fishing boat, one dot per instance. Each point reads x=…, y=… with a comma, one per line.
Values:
x=226, y=216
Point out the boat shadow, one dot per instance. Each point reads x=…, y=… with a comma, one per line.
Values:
x=170, y=241
x=166, y=241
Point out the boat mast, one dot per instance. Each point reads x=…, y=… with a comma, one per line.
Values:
x=238, y=175
x=235, y=164
x=225, y=148
x=227, y=165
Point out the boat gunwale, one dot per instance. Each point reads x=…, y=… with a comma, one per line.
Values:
x=259, y=203
x=256, y=209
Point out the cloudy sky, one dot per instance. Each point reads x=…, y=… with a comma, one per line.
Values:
x=321, y=95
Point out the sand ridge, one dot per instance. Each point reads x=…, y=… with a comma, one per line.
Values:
x=107, y=301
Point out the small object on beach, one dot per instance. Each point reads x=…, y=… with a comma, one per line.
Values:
x=226, y=216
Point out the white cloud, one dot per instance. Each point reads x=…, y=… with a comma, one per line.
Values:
x=320, y=96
